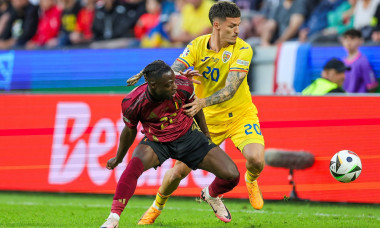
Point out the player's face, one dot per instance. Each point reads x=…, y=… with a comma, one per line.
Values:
x=165, y=87
x=339, y=78
x=229, y=30
x=335, y=76
x=351, y=44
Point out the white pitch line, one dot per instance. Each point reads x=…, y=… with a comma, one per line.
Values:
x=195, y=209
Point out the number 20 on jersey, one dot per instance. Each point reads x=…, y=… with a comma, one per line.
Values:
x=211, y=73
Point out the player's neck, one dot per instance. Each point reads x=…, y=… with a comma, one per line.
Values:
x=152, y=96
x=215, y=43
x=353, y=54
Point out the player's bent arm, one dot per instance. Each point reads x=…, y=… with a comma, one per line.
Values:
x=296, y=20
x=178, y=66
x=127, y=137
x=234, y=79
x=200, y=118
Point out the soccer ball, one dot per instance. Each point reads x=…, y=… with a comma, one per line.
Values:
x=345, y=166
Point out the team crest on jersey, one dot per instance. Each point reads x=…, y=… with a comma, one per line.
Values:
x=186, y=52
x=226, y=56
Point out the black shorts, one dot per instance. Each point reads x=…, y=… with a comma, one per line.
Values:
x=190, y=149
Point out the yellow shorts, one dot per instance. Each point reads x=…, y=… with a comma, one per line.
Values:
x=242, y=131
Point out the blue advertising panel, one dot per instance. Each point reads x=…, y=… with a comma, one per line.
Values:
x=26, y=70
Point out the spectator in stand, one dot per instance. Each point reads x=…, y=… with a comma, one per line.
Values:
x=361, y=78
x=195, y=21
x=159, y=35
x=114, y=22
x=339, y=20
x=376, y=24
x=83, y=32
x=363, y=15
x=249, y=9
x=48, y=25
x=21, y=25
x=285, y=22
x=173, y=27
x=266, y=11
x=69, y=18
x=4, y=6
x=148, y=20
x=331, y=81
x=70, y=10
x=4, y=14
x=313, y=27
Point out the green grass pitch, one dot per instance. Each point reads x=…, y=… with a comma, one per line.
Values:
x=84, y=210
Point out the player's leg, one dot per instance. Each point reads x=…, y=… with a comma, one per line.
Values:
x=143, y=158
x=173, y=177
x=169, y=184
x=247, y=136
x=227, y=177
x=221, y=165
x=254, y=153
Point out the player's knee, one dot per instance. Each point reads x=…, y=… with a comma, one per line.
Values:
x=256, y=161
x=232, y=172
x=177, y=175
x=234, y=178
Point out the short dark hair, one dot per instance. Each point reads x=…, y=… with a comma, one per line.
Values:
x=353, y=33
x=154, y=69
x=223, y=10
x=337, y=65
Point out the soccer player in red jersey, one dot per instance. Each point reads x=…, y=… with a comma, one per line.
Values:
x=222, y=60
x=169, y=133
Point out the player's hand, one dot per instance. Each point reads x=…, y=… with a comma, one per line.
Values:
x=194, y=107
x=190, y=74
x=112, y=163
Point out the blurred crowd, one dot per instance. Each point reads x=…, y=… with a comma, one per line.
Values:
x=45, y=24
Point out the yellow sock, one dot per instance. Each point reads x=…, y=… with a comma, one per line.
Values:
x=160, y=201
x=251, y=177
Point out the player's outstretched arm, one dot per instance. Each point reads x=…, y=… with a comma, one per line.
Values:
x=234, y=79
x=127, y=137
x=180, y=69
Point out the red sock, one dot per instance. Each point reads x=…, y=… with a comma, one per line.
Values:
x=127, y=185
x=220, y=186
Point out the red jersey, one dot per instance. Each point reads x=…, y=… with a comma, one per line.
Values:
x=145, y=23
x=48, y=26
x=84, y=22
x=162, y=121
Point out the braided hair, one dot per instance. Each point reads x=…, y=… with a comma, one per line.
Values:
x=154, y=69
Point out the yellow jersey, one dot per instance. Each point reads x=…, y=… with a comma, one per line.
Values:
x=195, y=20
x=214, y=68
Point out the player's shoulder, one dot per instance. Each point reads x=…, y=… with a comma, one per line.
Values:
x=241, y=45
x=135, y=95
x=242, y=49
x=363, y=58
x=183, y=81
x=184, y=85
x=200, y=40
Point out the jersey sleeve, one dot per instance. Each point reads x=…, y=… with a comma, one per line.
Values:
x=369, y=76
x=242, y=59
x=130, y=115
x=188, y=55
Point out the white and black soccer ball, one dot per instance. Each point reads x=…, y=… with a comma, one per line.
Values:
x=345, y=166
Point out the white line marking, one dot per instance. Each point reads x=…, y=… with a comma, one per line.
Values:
x=187, y=208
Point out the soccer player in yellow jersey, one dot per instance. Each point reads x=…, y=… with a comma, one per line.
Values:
x=223, y=60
